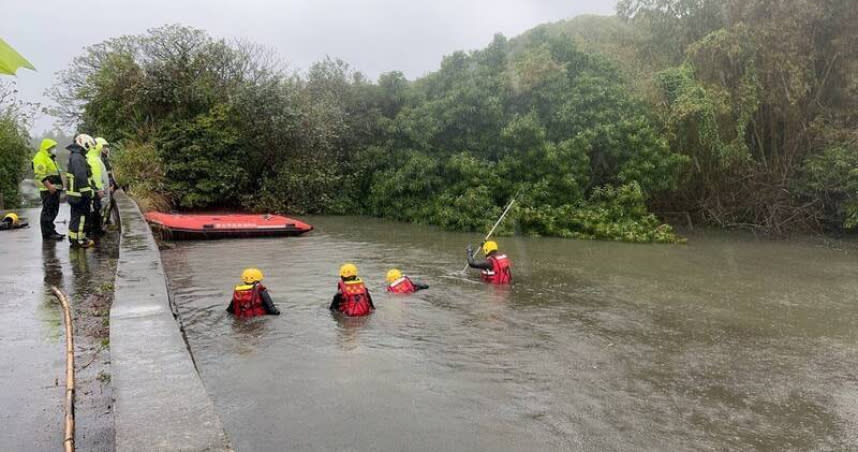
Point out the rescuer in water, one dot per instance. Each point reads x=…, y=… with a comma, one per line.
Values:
x=352, y=297
x=251, y=298
x=399, y=283
x=496, y=267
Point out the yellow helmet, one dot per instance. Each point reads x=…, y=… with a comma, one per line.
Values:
x=348, y=270
x=393, y=275
x=251, y=275
x=490, y=246
x=13, y=217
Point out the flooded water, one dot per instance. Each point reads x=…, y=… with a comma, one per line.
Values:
x=728, y=343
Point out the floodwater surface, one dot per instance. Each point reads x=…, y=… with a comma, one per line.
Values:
x=728, y=343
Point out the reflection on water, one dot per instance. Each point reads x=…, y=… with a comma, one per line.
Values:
x=348, y=329
x=727, y=343
x=51, y=265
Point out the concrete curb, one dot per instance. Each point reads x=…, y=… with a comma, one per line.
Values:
x=161, y=403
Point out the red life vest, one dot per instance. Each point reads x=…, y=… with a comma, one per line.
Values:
x=402, y=285
x=500, y=272
x=247, y=301
x=355, y=300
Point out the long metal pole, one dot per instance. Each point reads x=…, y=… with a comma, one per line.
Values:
x=497, y=223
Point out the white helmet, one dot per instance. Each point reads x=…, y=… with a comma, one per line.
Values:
x=85, y=141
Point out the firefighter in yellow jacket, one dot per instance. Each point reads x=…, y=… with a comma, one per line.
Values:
x=50, y=183
x=94, y=225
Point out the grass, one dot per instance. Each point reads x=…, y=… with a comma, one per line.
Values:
x=103, y=377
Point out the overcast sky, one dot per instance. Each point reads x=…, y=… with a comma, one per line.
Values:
x=373, y=36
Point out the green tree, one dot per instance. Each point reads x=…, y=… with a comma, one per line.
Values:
x=14, y=139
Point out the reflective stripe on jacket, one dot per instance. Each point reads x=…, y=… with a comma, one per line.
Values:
x=402, y=285
x=78, y=174
x=500, y=272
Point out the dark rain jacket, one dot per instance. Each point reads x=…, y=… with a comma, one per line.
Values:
x=78, y=174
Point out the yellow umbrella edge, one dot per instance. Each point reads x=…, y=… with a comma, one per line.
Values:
x=11, y=60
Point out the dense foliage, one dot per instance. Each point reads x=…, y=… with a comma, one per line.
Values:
x=14, y=143
x=220, y=126
x=763, y=97
x=736, y=113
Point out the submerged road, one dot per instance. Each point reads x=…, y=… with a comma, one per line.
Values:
x=729, y=343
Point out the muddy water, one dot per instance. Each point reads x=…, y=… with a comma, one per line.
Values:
x=729, y=343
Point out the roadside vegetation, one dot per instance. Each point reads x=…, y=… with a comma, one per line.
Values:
x=15, y=116
x=732, y=113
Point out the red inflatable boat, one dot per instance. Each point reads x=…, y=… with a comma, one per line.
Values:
x=206, y=226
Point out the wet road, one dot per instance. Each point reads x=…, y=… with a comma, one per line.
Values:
x=31, y=343
x=32, y=337
x=725, y=344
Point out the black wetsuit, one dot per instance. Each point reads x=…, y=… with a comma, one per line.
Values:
x=482, y=265
x=418, y=285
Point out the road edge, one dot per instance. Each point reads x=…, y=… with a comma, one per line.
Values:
x=161, y=403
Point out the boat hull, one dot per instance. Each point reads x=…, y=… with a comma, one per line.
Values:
x=204, y=226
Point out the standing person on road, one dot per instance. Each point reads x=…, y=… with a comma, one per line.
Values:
x=50, y=183
x=79, y=192
x=496, y=267
x=104, y=147
x=109, y=181
x=352, y=298
x=96, y=166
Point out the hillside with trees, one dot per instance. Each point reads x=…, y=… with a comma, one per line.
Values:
x=735, y=114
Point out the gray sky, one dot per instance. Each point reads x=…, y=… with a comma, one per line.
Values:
x=373, y=36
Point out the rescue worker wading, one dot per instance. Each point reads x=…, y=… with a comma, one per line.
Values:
x=399, y=283
x=79, y=192
x=50, y=183
x=496, y=268
x=96, y=167
x=251, y=298
x=352, y=298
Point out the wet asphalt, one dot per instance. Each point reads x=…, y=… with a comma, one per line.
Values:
x=32, y=335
